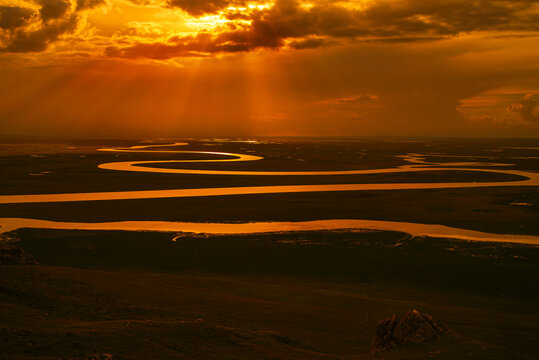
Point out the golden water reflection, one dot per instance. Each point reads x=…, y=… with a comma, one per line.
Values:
x=417, y=164
x=414, y=229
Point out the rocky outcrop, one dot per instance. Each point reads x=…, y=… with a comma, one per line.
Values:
x=413, y=328
x=14, y=255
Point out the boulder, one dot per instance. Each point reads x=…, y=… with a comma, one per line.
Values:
x=14, y=255
x=413, y=328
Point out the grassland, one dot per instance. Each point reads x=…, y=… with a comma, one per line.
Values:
x=315, y=295
x=311, y=295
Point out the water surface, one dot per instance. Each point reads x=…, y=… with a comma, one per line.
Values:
x=414, y=229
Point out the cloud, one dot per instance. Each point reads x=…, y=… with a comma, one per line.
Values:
x=503, y=106
x=53, y=9
x=33, y=41
x=309, y=43
x=418, y=86
x=248, y=25
x=89, y=4
x=361, y=99
x=12, y=17
x=143, y=29
x=26, y=30
x=502, y=121
x=528, y=108
x=287, y=23
x=192, y=46
x=202, y=7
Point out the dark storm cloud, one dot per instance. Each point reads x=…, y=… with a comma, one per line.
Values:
x=287, y=22
x=12, y=17
x=528, y=108
x=52, y=20
x=34, y=41
x=53, y=9
x=398, y=18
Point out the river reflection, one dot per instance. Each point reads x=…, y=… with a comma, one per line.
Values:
x=439, y=231
x=416, y=162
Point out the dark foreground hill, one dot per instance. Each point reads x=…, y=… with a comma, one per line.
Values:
x=101, y=295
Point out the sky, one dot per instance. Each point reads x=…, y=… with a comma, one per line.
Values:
x=212, y=68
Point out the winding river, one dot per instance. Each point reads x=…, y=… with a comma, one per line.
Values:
x=416, y=162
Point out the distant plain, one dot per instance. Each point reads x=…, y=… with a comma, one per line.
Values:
x=279, y=295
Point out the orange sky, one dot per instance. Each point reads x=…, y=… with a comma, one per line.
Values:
x=178, y=68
